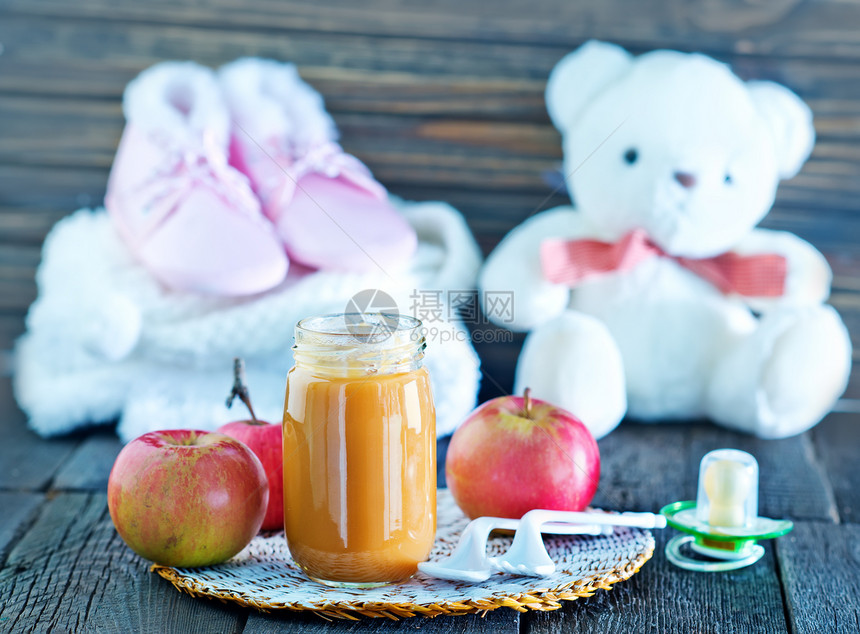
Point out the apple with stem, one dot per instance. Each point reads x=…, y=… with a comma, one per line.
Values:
x=187, y=498
x=514, y=454
x=265, y=440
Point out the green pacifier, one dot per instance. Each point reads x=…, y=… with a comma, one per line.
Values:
x=723, y=522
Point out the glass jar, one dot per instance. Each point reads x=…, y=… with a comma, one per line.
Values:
x=359, y=450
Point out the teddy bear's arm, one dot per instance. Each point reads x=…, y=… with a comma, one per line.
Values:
x=808, y=276
x=513, y=269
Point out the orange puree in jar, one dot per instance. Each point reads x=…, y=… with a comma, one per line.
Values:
x=359, y=452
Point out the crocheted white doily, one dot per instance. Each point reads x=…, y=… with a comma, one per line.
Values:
x=264, y=576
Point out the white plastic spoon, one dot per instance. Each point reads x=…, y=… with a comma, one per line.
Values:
x=527, y=554
x=469, y=561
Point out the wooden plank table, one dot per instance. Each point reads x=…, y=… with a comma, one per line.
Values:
x=444, y=101
x=64, y=568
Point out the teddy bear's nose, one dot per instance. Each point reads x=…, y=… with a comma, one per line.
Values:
x=686, y=179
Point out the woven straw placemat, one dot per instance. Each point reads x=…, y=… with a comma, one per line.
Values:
x=264, y=576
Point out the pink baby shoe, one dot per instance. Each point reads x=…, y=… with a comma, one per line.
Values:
x=329, y=210
x=185, y=213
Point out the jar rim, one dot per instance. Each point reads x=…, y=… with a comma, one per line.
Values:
x=375, y=343
x=359, y=325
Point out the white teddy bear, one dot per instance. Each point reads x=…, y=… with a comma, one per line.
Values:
x=656, y=296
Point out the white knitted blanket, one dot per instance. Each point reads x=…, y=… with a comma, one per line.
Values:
x=106, y=341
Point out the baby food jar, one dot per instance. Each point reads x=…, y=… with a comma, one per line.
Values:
x=359, y=450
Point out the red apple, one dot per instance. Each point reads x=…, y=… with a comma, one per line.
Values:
x=266, y=441
x=514, y=454
x=187, y=498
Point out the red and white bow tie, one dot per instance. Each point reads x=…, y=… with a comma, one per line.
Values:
x=571, y=262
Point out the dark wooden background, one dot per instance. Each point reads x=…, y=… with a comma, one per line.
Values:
x=443, y=100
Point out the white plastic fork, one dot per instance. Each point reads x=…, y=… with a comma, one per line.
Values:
x=528, y=556
x=469, y=561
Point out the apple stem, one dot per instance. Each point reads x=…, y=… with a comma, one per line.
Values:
x=527, y=402
x=240, y=389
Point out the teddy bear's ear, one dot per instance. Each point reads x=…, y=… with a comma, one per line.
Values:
x=790, y=123
x=580, y=76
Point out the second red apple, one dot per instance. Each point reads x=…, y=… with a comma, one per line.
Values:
x=266, y=441
x=514, y=454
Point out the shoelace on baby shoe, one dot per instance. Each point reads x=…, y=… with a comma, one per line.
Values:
x=327, y=159
x=186, y=169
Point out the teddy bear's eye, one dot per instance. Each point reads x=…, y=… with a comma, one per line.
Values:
x=631, y=156
x=728, y=179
